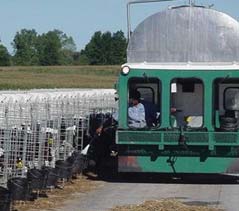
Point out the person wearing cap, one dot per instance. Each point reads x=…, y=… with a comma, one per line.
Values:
x=136, y=111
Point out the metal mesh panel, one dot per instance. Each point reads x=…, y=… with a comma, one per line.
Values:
x=190, y=137
x=139, y=137
x=197, y=137
x=226, y=138
x=39, y=127
x=171, y=137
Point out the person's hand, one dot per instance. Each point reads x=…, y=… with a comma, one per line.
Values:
x=173, y=110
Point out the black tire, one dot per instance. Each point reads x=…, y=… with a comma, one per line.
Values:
x=228, y=129
x=228, y=125
x=228, y=120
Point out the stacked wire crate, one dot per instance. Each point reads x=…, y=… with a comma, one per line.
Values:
x=41, y=126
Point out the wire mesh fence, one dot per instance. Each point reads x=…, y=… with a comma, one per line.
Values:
x=37, y=128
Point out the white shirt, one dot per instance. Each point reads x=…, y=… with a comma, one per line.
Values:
x=136, y=115
x=1, y=152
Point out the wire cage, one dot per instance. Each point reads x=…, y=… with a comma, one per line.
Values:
x=39, y=127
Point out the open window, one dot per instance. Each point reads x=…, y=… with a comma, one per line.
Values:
x=150, y=92
x=231, y=99
x=187, y=102
x=226, y=104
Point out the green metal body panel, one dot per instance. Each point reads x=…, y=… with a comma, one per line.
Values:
x=158, y=149
x=176, y=165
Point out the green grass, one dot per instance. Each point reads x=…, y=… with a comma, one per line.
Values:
x=58, y=77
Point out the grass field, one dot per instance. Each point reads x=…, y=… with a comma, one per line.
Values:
x=58, y=77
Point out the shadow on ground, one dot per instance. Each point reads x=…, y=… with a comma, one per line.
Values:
x=210, y=179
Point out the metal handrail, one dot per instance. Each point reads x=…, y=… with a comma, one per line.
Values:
x=140, y=2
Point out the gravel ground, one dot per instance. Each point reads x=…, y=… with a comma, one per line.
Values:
x=164, y=205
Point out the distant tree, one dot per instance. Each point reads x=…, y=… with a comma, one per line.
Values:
x=56, y=48
x=66, y=42
x=68, y=47
x=93, y=50
x=49, y=49
x=106, y=49
x=5, y=58
x=119, y=46
x=24, y=45
x=79, y=58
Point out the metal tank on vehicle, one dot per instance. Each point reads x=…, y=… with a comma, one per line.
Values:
x=185, y=34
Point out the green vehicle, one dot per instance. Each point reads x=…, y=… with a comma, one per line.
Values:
x=185, y=58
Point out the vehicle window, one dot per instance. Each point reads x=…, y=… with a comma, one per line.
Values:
x=144, y=111
x=231, y=99
x=187, y=102
x=226, y=104
x=147, y=94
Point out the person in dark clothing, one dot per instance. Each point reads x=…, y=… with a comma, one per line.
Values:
x=150, y=113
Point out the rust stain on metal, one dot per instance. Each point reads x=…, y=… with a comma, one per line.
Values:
x=234, y=167
x=128, y=163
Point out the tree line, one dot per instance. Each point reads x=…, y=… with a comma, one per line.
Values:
x=57, y=48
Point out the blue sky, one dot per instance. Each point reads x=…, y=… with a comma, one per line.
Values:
x=81, y=18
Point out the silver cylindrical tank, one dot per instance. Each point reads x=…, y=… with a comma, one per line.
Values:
x=185, y=34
